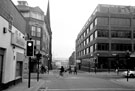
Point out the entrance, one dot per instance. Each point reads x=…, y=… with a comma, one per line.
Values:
x=1, y=66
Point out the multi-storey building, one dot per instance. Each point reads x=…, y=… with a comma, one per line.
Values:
x=107, y=36
x=72, y=60
x=36, y=30
x=12, y=44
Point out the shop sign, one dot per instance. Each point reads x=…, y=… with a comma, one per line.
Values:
x=17, y=39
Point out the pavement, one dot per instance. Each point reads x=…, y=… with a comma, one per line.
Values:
x=118, y=78
x=35, y=85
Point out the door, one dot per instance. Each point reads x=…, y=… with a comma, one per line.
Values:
x=1, y=68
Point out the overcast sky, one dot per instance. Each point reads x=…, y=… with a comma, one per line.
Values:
x=67, y=19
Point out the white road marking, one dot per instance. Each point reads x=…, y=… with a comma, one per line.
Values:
x=92, y=89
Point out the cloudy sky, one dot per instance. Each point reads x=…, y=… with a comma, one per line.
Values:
x=67, y=19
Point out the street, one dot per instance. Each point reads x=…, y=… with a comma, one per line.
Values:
x=84, y=81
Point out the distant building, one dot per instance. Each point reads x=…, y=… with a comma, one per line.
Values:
x=12, y=44
x=72, y=60
x=106, y=37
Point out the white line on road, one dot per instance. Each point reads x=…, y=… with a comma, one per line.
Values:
x=92, y=89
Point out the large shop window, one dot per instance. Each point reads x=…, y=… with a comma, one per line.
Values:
x=121, y=47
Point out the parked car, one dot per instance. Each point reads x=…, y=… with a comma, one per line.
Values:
x=130, y=73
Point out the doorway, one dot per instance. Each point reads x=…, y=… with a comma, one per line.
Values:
x=1, y=65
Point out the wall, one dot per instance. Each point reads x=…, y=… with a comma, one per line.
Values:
x=9, y=64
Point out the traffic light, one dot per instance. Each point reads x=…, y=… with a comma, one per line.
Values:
x=30, y=48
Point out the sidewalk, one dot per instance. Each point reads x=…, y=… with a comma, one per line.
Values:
x=34, y=84
x=118, y=80
x=130, y=82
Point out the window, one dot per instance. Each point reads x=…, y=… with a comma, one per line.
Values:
x=87, y=51
x=91, y=26
x=84, y=52
x=120, y=34
x=95, y=34
x=103, y=33
x=87, y=30
x=84, y=43
x=120, y=47
x=103, y=46
x=37, y=44
x=19, y=68
x=101, y=21
x=33, y=31
x=84, y=34
x=95, y=21
x=120, y=22
x=87, y=40
x=38, y=32
x=91, y=37
x=91, y=49
x=134, y=34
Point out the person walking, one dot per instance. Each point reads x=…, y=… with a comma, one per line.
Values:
x=75, y=70
x=61, y=71
x=69, y=70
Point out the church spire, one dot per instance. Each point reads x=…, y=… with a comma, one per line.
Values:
x=48, y=13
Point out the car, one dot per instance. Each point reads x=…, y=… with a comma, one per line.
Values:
x=131, y=73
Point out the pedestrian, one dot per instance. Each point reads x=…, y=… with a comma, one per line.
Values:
x=61, y=71
x=75, y=70
x=69, y=70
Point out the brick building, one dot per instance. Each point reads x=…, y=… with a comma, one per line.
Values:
x=37, y=29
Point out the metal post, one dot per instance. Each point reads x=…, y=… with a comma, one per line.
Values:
x=117, y=64
x=89, y=67
x=127, y=57
x=29, y=72
x=95, y=65
x=38, y=70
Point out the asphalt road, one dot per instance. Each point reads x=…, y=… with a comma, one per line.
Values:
x=83, y=81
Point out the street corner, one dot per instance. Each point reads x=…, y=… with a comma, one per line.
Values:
x=38, y=85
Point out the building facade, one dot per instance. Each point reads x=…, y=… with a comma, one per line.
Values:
x=36, y=29
x=12, y=44
x=72, y=60
x=106, y=37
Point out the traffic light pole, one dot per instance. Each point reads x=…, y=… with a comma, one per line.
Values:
x=29, y=72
